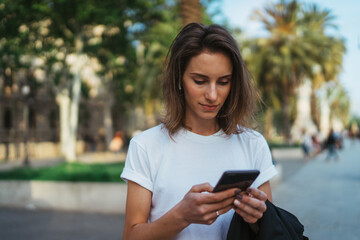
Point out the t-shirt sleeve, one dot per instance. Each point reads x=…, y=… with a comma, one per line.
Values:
x=263, y=162
x=137, y=167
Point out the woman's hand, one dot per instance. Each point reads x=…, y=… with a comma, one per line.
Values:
x=202, y=206
x=250, y=205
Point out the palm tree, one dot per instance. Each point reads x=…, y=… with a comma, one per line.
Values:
x=262, y=64
x=296, y=44
x=335, y=106
x=328, y=70
x=328, y=54
x=340, y=105
x=190, y=11
x=281, y=56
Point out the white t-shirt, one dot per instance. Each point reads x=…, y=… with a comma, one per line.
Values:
x=169, y=168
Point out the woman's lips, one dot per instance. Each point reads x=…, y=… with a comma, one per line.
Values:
x=207, y=107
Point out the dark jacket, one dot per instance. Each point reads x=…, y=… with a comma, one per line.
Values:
x=276, y=224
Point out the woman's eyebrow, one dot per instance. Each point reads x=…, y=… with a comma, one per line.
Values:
x=199, y=75
x=206, y=77
x=226, y=76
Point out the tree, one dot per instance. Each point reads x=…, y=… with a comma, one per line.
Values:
x=328, y=54
x=19, y=30
x=190, y=11
x=77, y=20
x=70, y=41
x=297, y=44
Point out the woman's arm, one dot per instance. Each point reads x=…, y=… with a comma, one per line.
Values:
x=195, y=207
x=265, y=187
x=138, y=205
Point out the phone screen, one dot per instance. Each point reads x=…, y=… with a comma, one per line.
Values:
x=241, y=179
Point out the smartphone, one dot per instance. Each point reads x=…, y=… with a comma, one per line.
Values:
x=241, y=179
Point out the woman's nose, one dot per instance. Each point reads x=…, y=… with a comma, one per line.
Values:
x=211, y=93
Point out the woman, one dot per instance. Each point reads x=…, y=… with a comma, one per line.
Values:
x=171, y=169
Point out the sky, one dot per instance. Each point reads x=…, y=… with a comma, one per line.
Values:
x=347, y=18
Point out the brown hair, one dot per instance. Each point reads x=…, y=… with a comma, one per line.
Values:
x=193, y=39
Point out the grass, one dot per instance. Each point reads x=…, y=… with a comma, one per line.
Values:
x=283, y=145
x=72, y=172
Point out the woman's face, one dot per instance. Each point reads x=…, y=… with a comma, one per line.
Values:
x=206, y=83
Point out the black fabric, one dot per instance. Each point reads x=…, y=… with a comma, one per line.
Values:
x=276, y=224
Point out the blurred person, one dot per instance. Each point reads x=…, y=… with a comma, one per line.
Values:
x=353, y=131
x=117, y=142
x=331, y=145
x=171, y=168
x=339, y=140
x=306, y=144
x=316, y=144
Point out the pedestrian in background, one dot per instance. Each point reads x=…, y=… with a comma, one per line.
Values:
x=117, y=142
x=316, y=144
x=306, y=144
x=331, y=144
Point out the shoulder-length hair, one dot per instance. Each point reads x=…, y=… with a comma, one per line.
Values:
x=238, y=111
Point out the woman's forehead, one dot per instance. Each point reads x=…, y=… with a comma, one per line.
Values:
x=210, y=63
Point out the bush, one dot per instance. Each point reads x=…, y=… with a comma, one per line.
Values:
x=283, y=145
x=72, y=172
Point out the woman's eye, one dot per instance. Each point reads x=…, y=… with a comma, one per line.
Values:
x=199, y=82
x=224, y=83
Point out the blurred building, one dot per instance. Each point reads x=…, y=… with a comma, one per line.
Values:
x=29, y=113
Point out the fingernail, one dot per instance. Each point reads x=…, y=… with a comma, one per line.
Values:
x=236, y=202
x=237, y=191
x=249, y=190
x=239, y=196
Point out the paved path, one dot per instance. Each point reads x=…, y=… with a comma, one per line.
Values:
x=18, y=224
x=325, y=196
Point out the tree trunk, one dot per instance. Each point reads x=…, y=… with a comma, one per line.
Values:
x=69, y=108
x=190, y=11
x=63, y=100
x=315, y=113
x=286, y=114
x=268, y=122
x=74, y=117
x=303, y=119
x=108, y=124
x=325, y=115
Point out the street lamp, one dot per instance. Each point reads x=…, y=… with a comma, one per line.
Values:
x=25, y=91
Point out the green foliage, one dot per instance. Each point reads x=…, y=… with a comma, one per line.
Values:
x=339, y=103
x=298, y=48
x=72, y=172
x=273, y=144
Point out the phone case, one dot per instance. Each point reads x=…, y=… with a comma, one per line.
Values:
x=241, y=179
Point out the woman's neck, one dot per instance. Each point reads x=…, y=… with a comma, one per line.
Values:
x=205, y=128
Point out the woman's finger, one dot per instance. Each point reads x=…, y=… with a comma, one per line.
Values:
x=213, y=215
x=220, y=196
x=253, y=202
x=224, y=210
x=204, y=187
x=256, y=193
x=209, y=197
x=250, y=206
x=227, y=202
x=247, y=218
